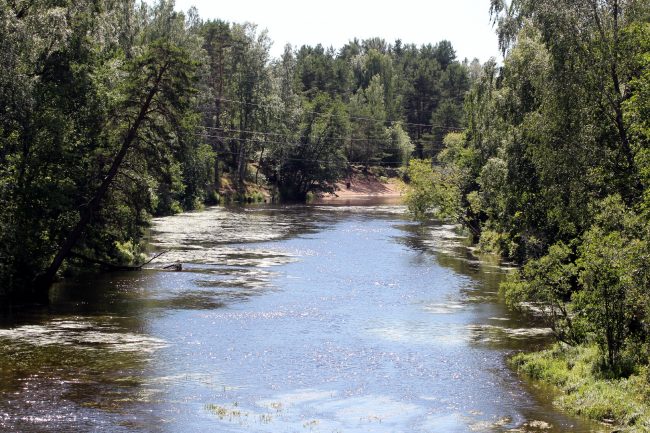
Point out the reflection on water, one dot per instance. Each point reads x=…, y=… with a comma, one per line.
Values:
x=81, y=333
x=283, y=319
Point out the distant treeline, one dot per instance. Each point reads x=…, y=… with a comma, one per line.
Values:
x=306, y=117
x=112, y=111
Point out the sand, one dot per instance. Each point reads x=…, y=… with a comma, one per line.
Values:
x=362, y=186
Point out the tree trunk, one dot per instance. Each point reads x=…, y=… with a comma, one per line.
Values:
x=44, y=280
x=241, y=168
x=218, y=144
x=259, y=164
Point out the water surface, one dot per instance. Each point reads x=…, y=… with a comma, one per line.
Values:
x=289, y=319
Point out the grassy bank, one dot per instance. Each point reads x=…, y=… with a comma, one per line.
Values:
x=586, y=391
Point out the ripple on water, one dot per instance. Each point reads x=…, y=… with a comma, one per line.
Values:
x=453, y=334
x=219, y=225
x=376, y=325
x=444, y=308
x=225, y=256
x=322, y=410
x=379, y=209
x=83, y=334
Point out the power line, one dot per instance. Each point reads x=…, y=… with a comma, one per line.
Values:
x=326, y=161
x=392, y=122
x=255, y=141
x=275, y=134
x=288, y=143
x=226, y=152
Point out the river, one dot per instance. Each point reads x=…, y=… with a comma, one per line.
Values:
x=284, y=319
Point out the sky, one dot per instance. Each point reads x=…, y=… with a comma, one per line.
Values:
x=466, y=23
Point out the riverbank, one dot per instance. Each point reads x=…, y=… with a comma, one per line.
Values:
x=585, y=391
x=366, y=186
x=359, y=186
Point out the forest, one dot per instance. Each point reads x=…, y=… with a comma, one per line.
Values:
x=552, y=173
x=114, y=111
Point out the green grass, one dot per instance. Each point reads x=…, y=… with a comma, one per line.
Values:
x=585, y=390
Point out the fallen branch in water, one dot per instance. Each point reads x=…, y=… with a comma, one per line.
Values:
x=113, y=266
x=155, y=256
x=174, y=266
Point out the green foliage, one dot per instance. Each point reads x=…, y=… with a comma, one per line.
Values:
x=431, y=192
x=399, y=148
x=260, y=111
x=492, y=242
x=368, y=138
x=586, y=389
x=317, y=161
x=537, y=157
x=637, y=107
x=493, y=183
x=597, y=292
x=613, y=275
x=74, y=80
x=547, y=285
x=421, y=195
x=455, y=152
x=553, y=168
x=129, y=253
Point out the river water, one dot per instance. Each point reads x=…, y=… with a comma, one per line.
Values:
x=284, y=319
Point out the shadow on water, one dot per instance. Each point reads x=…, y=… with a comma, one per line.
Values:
x=494, y=327
x=83, y=362
x=317, y=318
x=65, y=372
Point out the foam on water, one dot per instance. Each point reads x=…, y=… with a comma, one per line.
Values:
x=84, y=334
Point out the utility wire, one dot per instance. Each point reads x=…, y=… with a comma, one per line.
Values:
x=226, y=152
x=285, y=143
x=275, y=134
x=316, y=113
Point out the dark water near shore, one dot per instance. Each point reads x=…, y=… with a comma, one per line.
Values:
x=291, y=319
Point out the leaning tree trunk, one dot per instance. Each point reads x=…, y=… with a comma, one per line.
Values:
x=44, y=280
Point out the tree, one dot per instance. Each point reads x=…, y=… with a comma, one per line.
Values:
x=421, y=74
x=613, y=274
x=399, y=147
x=637, y=107
x=84, y=105
x=586, y=39
x=318, y=72
x=316, y=161
x=561, y=165
x=445, y=54
x=217, y=41
x=51, y=122
x=369, y=135
x=547, y=285
x=157, y=83
x=42, y=82
x=431, y=192
x=449, y=115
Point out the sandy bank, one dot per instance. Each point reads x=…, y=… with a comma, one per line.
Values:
x=361, y=187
